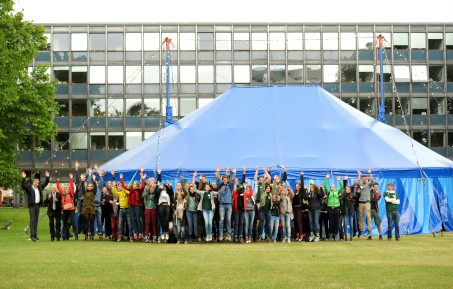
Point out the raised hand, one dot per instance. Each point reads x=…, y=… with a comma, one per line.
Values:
x=195, y=173
x=24, y=175
x=71, y=176
x=142, y=169
x=159, y=170
x=121, y=175
x=338, y=178
x=359, y=172
x=244, y=169
x=143, y=176
x=112, y=172
x=47, y=174
x=328, y=176
x=182, y=178
x=101, y=173
x=369, y=170
x=301, y=173
x=233, y=170
x=346, y=178
x=76, y=164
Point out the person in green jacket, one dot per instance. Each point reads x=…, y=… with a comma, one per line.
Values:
x=333, y=205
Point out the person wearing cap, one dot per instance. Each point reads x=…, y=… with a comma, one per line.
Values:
x=366, y=184
x=393, y=217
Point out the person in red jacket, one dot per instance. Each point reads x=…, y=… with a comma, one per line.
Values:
x=135, y=195
x=67, y=204
x=374, y=198
x=240, y=196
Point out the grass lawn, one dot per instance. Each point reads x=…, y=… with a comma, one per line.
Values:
x=417, y=261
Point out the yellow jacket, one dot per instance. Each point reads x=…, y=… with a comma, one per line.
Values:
x=122, y=196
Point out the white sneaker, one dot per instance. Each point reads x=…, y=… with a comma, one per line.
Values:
x=284, y=240
x=166, y=237
x=312, y=237
x=316, y=239
x=289, y=240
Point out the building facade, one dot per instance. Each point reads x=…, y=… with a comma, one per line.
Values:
x=111, y=79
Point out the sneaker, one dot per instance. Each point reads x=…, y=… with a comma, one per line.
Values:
x=228, y=238
x=166, y=236
x=289, y=240
x=100, y=236
x=135, y=236
x=162, y=237
x=389, y=239
x=178, y=242
x=146, y=239
x=119, y=238
x=312, y=237
x=235, y=240
x=273, y=241
x=380, y=237
x=131, y=239
x=284, y=240
x=350, y=238
x=369, y=237
x=397, y=239
x=316, y=239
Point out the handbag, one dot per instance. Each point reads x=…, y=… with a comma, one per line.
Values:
x=70, y=205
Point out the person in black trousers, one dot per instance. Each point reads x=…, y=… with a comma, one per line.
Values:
x=53, y=202
x=35, y=200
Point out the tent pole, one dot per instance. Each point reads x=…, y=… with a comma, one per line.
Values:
x=168, y=108
x=381, y=82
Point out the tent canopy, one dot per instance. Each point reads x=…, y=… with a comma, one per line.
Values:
x=304, y=128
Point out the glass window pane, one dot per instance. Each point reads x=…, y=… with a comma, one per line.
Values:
x=421, y=137
x=348, y=73
x=115, y=41
x=205, y=74
x=115, y=107
x=419, y=73
x=312, y=41
x=60, y=42
x=97, y=42
x=241, y=41
x=366, y=41
x=295, y=41
x=277, y=41
x=223, y=74
x=133, y=74
x=401, y=41
x=187, y=41
x=115, y=74
x=330, y=41
x=79, y=141
x=79, y=74
x=419, y=105
x=151, y=41
x=133, y=107
x=204, y=101
x=259, y=41
x=187, y=73
x=259, y=73
x=449, y=40
x=97, y=107
x=437, y=139
x=368, y=105
x=152, y=107
x=348, y=41
x=79, y=107
x=187, y=105
x=205, y=41
x=437, y=105
x=418, y=40
x=295, y=74
x=313, y=74
x=133, y=138
x=330, y=73
x=241, y=74
x=64, y=107
x=97, y=140
x=173, y=75
x=116, y=141
x=277, y=74
x=223, y=41
x=151, y=74
x=79, y=41
x=97, y=74
x=402, y=73
x=366, y=73
x=133, y=41
x=61, y=74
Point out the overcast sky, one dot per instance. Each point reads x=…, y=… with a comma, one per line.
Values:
x=158, y=11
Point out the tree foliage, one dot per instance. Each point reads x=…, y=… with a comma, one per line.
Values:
x=27, y=98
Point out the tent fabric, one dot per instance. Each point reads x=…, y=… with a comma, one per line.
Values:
x=304, y=128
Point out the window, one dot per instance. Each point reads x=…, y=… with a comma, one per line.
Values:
x=133, y=107
x=223, y=41
x=401, y=41
x=62, y=141
x=295, y=41
x=205, y=74
x=330, y=41
x=133, y=41
x=366, y=73
x=79, y=107
x=223, y=74
x=277, y=41
x=437, y=139
x=241, y=74
x=97, y=140
x=366, y=41
x=64, y=107
x=348, y=41
x=437, y=105
x=419, y=73
x=61, y=74
x=133, y=138
x=151, y=41
x=79, y=41
x=152, y=107
x=187, y=41
x=187, y=73
x=259, y=41
x=115, y=107
x=259, y=73
x=97, y=107
x=187, y=105
x=295, y=74
x=449, y=40
x=79, y=74
x=116, y=140
x=60, y=42
x=241, y=41
x=115, y=74
x=133, y=74
x=97, y=74
x=205, y=41
x=79, y=141
x=348, y=73
x=151, y=74
x=313, y=73
x=331, y=73
x=402, y=73
x=277, y=74
x=115, y=41
x=419, y=105
x=402, y=106
x=97, y=42
x=418, y=41
x=312, y=41
x=436, y=73
x=435, y=41
x=421, y=137
x=368, y=105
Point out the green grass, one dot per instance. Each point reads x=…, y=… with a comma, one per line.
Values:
x=417, y=261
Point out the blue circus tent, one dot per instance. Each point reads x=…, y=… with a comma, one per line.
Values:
x=304, y=128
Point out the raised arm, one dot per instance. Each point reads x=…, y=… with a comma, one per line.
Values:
x=57, y=182
x=255, y=178
x=71, y=185
x=243, y=174
x=285, y=176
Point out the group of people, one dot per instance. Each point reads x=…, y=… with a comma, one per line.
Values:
x=224, y=209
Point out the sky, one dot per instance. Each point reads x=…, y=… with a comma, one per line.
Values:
x=235, y=11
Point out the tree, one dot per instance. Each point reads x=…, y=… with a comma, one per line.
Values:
x=27, y=98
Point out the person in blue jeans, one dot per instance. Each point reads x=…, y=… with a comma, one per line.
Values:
x=226, y=188
x=192, y=201
x=206, y=205
x=314, y=197
x=275, y=218
x=391, y=205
